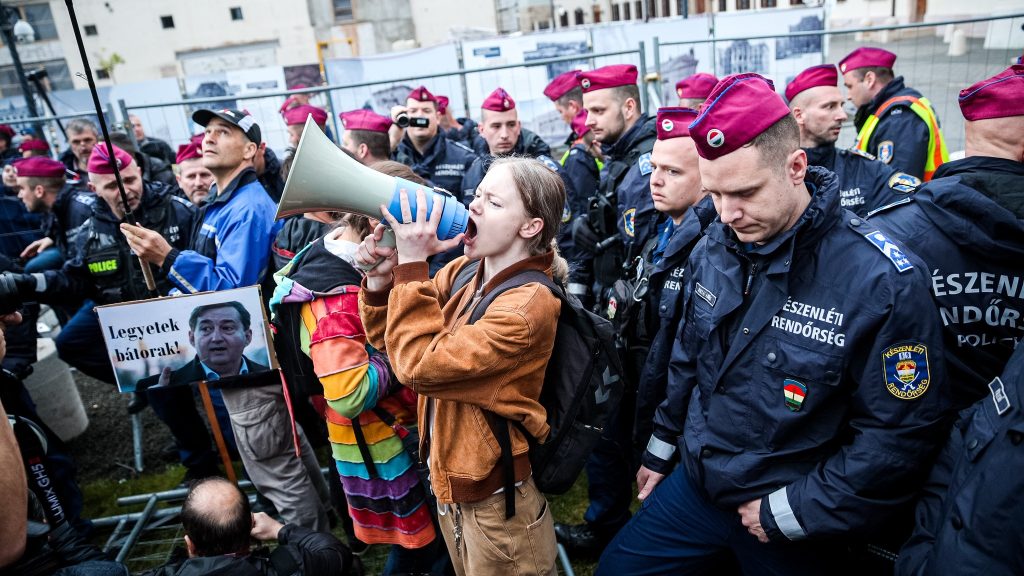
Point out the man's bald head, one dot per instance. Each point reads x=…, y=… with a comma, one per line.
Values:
x=216, y=518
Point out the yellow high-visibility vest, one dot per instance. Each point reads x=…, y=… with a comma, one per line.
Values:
x=938, y=154
x=600, y=164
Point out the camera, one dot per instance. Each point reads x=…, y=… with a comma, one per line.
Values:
x=405, y=121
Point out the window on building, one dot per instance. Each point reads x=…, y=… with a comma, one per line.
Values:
x=626, y=11
x=743, y=4
x=343, y=10
x=236, y=13
x=102, y=74
x=769, y=3
x=638, y=6
x=597, y=14
x=563, y=19
x=578, y=17
x=90, y=30
x=721, y=5
x=666, y=8
x=796, y=2
x=615, y=13
x=167, y=21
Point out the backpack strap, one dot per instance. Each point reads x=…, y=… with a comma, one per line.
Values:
x=499, y=426
x=464, y=276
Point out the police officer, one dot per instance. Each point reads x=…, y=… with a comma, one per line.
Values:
x=895, y=123
x=565, y=93
x=461, y=130
x=502, y=135
x=44, y=190
x=428, y=152
x=968, y=520
x=806, y=391
x=620, y=222
x=968, y=226
x=659, y=281
x=194, y=179
x=817, y=105
x=693, y=90
x=582, y=164
x=366, y=135
x=295, y=120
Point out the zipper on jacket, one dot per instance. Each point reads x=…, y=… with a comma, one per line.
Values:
x=751, y=272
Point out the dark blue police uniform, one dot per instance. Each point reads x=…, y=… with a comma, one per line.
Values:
x=808, y=376
x=864, y=183
x=444, y=162
x=901, y=137
x=664, y=286
x=465, y=135
x=968, y=226
x=968, y=520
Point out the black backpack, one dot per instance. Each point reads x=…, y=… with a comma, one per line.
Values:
x=582, y=386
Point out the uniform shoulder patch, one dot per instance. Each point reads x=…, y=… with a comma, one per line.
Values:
x=906, y=369
x=861, y=153
x=566, y=213
x=644, y=163
x=180, y=200
x=893, y=252
x=548, y=162
x=904, y=183
x=628, y=221
x=886, y=150
x=889, y=206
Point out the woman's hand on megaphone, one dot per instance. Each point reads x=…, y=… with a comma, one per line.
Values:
x=417, y=238
x=376, y=261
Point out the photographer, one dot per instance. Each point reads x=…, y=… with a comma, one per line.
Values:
x=430, y=154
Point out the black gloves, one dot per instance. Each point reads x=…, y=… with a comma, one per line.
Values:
x=15, y=285
x=584, y=237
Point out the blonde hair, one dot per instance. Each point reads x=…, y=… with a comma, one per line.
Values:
x=543, y=194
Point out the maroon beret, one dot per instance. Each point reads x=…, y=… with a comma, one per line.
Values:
x=288, y=102
x=740, y=108
x=442, y=105
x=608, y=77
x=579, y=123
x=561, y=85
x=867, y=57
x=189, y=151
x=421, y=94
x=365, y=120
x=99, y=160
x=674, y=122
x=1000, y=96
x=6, y=131
x=39, y=167
x=499, y=101
x=697, y=86
x=33, y=144
x=298, y=114
x=823, y=75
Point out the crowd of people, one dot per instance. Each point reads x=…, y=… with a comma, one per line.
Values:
x=818, y=343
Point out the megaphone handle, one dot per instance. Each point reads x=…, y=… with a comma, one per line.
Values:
x=387, y=240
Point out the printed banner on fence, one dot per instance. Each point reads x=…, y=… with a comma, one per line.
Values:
x=204, y=336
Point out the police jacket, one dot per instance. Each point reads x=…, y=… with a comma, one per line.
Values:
x=901, y=138
x=271, y=178
x=103, y=267
x=968, y=518
x=809, y=373
x=528, y=144
x=69, y=160
x=663, y=280
x=71, y=209
x=299, y=551
x=155, y=169
x=624, y=198
x=158, y=148
x=444, y=162
x=581, y=168
x=864, y=183
x=230, y=243
x=968, y=226
x=465, y=135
